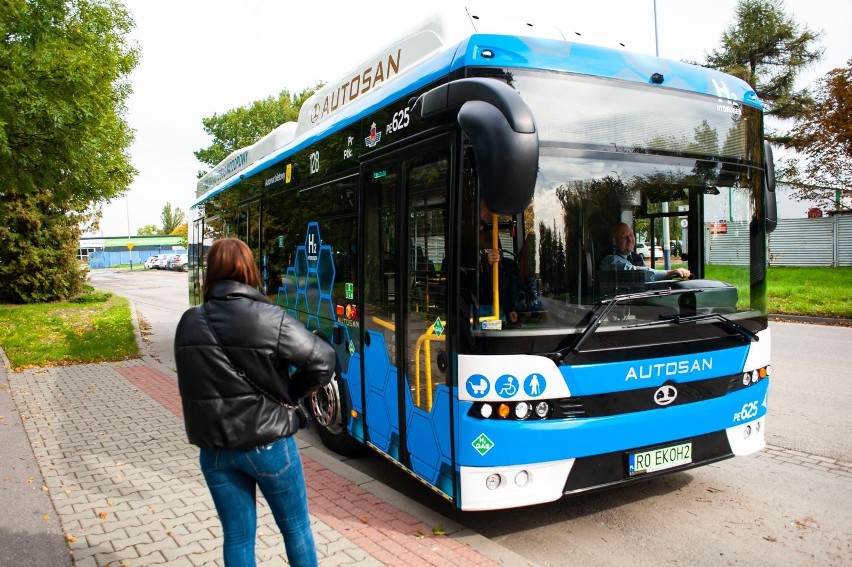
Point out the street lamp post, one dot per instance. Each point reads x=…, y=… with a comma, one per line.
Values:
x=129, y=238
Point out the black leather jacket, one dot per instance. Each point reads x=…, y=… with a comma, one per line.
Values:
x=221, y=409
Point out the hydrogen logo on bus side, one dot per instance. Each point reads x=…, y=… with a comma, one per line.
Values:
x=312, y=244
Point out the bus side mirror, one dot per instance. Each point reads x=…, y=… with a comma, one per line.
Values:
x=502, y=131
x=771, y=205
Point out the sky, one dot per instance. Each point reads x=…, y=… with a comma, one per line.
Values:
x=202, y=57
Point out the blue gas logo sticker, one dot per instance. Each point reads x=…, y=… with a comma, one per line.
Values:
x=506, y=386
x=534, y=385
x=477, y=386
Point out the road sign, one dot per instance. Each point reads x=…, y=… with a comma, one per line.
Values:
x=130, y=246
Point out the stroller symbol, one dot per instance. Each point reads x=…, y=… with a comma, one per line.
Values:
x=477, y=386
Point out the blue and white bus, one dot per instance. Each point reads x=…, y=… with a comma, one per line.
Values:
x=374, y=219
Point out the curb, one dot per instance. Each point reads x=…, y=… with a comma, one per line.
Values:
x=836, y=321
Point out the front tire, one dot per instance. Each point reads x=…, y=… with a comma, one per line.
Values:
x=330, y=408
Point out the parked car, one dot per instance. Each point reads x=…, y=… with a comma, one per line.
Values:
x=179, y=263
x=644, y=251
x=151, y=262
x=164, y=260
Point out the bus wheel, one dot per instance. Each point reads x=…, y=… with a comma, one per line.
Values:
x=327, y=405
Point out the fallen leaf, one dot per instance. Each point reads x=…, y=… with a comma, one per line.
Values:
x=46, y=517
x=69, y=537
x=419, y=535
x=770, y=538
x=363, y=519
x=102, y=515
x=439, y=530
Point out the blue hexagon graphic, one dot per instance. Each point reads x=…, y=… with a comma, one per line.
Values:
x=325, y=310
x=378, y=420
x=310, y=281
x=441, y=420
x=325, y=270
x=301, y=267
x=425, y=454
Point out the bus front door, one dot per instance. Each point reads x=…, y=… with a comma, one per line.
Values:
x=407, y=397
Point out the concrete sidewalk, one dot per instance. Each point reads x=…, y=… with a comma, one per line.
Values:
x=97, y=471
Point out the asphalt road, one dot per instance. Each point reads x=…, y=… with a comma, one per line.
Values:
x=788, y=505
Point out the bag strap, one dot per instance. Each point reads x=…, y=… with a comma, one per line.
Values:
x=240, y=372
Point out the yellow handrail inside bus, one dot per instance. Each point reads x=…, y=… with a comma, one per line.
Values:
x=495, y=245
x=495, y=272
x=386, y=324
x=425, y=341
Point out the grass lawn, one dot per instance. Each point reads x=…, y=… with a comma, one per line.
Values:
x=93, y=327
x=822, y=292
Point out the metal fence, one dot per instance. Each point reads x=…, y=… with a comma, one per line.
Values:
x=824, y=241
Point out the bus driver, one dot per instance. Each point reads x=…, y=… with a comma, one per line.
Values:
x=624, y=243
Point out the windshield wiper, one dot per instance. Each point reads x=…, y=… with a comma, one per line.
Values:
x=608, y=305
x=680, y=320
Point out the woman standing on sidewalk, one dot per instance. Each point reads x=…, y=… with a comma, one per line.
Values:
x=234, y=356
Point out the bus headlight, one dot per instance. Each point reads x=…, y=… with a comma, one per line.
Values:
x=746, y=378
x=542, y=409
x=522, y=478
x=486, y=410
x=522, y=410
x=492, y=481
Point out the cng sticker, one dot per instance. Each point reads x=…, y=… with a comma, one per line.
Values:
x=482, y=444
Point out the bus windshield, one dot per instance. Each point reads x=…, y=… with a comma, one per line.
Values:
x=667, y=167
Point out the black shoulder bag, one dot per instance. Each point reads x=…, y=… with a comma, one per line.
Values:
x=298, y=408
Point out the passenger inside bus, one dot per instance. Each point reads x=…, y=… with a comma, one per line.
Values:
x=508, y=272
x=623, y=257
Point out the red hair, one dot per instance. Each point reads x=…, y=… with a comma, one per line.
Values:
x=230, y=259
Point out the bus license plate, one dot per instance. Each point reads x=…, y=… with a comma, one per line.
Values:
x=659, y=459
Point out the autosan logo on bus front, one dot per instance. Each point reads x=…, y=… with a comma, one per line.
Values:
x=673, y=368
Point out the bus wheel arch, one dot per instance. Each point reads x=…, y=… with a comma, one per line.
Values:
x=330, y=406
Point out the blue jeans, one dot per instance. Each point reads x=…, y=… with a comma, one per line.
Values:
x=232, y=476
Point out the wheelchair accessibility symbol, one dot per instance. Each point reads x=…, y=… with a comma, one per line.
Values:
x=506, y=386
x=477, y=386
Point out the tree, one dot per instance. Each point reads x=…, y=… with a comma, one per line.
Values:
x=243, y=126
x=148, y=230
x=823, y=136
x=767, y=49
x=171, y=219
x=182, y=230
x=64, y=67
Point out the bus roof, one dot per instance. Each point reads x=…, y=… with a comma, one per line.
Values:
x=443, y=44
